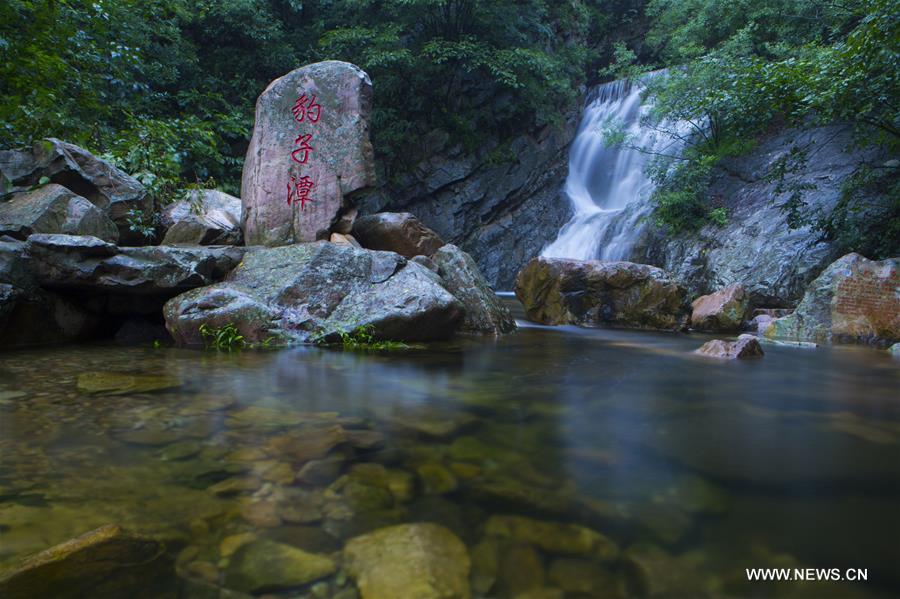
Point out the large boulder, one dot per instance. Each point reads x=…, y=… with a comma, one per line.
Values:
x=91, y=264
x=854, y=300
x=106, y=562
x=76, y=169
x=485, y=313
x=307, y=292
x=312, y=127
x=399, y=232
x=409, y=561
x=722, y=311
x=205, y=217
x=595, y=293
x=54, y=209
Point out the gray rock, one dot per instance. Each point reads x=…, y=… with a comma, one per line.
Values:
x=501, y=203
x=106, y=562
x=88, y=263
x=757, y=248
x=399, y=232
x=76, y=169
x=854, y=300
x=206, y=217
x=37, y=317
x=306, y=292
x=54, y=209
x=337, y=102
x=594, y=293
x=485, y=313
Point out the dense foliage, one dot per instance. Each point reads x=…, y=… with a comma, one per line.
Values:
x=740, y=69
x=167, y=87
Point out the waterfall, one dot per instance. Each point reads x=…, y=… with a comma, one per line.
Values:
x=606, y=186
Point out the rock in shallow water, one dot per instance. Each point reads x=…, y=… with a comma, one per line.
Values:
x=722, y=311
x=485, y=313
x=854, y=300
x=409, y=561
x=594, y=293
x=263, y=565
x=746, y=346
x=106, y=562
x=302, y=293
x=553, y=537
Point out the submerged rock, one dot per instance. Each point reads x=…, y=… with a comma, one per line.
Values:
x=399, y=232
x=106, y=562
x=553, y=537
x=309, y=292
x=54, y=209
x=206, y=217
x=594, y=293
x=485, y=313
x=854, y=300
x=98, y=181
x=262, y=565
x=118, y=383
x=409, y=561
x=325, y=108
x=722, y=311
x=746, y=346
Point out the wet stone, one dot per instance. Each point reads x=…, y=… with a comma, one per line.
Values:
x=115, y=383
x=321, y=472
x=520, y=569
x=435, y=479
x=553, y=537
x=262, y=566
x=236, y=485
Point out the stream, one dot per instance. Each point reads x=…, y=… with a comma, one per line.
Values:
x=692, y=467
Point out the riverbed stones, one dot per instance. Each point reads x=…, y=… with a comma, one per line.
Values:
x=119, y=383
x=409, y=561
x=854, y=300
x=54, y=209
x=204, y=217
x=313, y=292
x=594, y=293
x=324, y=107
x=106, y=562
x=553, y=537
x=485, y=313
x=102, y=184
x=722, y=311
x=399, y=232
x=263, y=565
x=746, y=347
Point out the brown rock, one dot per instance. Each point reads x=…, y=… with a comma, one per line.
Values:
x=595, y=293
x=340, y=160
x=344, y=239
x=399, y=232
x=746, y=346
x=854, y=300
x=421, y=561
x=106, y=562
x=722, y=311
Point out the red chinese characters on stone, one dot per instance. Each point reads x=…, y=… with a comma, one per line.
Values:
x=299, y=190
x=304, y=149
x=306, y=108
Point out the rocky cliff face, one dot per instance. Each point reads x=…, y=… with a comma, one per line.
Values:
x=501, y=204
x=757, y=248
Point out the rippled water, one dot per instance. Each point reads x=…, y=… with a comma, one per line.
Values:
x=696, y=469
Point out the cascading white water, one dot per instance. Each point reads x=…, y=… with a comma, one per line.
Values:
x=606, y=185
